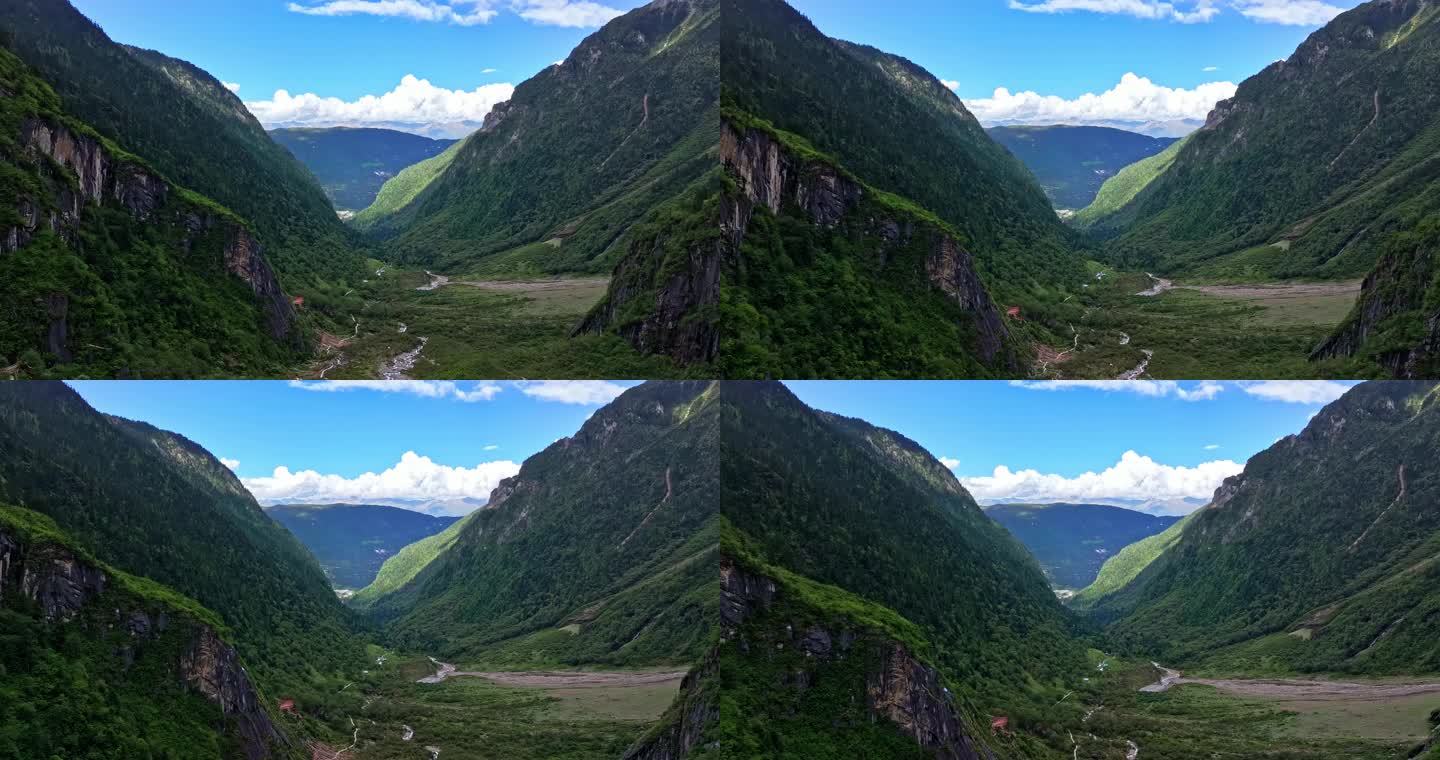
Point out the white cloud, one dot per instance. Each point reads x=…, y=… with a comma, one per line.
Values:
x=1202, y=391
x=571, y=13
x=414, y=102
x=488, y=71
x=231, y=86
x=1211, y=446
x=1291, y=12
x=426, y=388
x=950, y=462
x=951, y=83
x=414, y=477
x=1135, y=98
x=233, y=464
x=491, y=447
x=1297, y=391
x=1209, y=69
x=583, y=392
x=1133, y=477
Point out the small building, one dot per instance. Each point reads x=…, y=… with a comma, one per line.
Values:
x=287, y=706
x=999, y=724
x=1013, y=312
x=298, y=302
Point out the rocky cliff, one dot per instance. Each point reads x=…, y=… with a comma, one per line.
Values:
x=897, y=686
x=68, y=588
x=768, y=174
x=682, y=728
x=90, y=172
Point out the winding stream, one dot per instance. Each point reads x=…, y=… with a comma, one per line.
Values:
x=397, y=368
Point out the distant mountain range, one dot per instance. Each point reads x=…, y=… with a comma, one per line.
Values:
x=1072, y=541
x=353, y=164
x=1073, y=162
x=352, y=541
x=1172, y=130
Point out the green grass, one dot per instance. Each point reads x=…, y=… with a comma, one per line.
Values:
x=1119, y=190
x=400, y=190
x=406, y=564
x=1127, y=563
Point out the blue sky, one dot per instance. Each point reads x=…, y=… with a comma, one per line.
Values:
x=982, y=45
x=264, y=46
x=347, y=430
x=437, y=443
x=1185, y=437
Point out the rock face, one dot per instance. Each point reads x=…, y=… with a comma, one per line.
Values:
x=63, y=584
x=1395, y=290
x=898, y=687
x=101, y=178
x=694, y=710
x=769, y=175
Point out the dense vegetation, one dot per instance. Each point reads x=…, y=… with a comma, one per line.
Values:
x=1319, y=557
x=848, y=505
x=1313, y=164
x=156, y=505
x=352, y=541
x=352, y=164
x=397, y=192
x=1122, y=568
x=1071, y=162
x=897, y=128
x=579, y=153
x=138, y=296
x=194, y=131
x=601, y=550
x=1072, y=541
x=86, y=688
x=1103, y=212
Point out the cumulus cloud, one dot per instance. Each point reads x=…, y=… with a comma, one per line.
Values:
x=951, y=83
x=231, y=86
x=469, y=392
x=413, y=478
x=414, y=102
x=1134, y=477
x=1201, y=391
x=1298, y=391
x=1135, y=98
x=233, y=464
x=950, y=462
x=582, y=392
x=1292, y=12
x=572, y=13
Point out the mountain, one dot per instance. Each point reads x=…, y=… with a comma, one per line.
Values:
x=559, y=173
x=1315, y=164
x=601, y=550
x=859, y=574
x=153, y=504
x=352, y=164
x=1115, y=195
x=1321, y=556
x=184, y=123
x=352, y=541
x=1072, y=541
x=870, y=223
x=1072, y=162
x=1123, y=566
x=94, y=234
x=94, y=657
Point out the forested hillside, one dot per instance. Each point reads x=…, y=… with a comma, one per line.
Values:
x=1072, y=541
x=602, y=550
x=1312, y=167
x=863, y=532
x=1072, y=162
x=1320, y=556
x=93, y=234
x=156, y=505
x=183, y=122
x=352, y=541
x=352, y=164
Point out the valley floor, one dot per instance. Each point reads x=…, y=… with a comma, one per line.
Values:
x=413, y=324
x=1132, y=326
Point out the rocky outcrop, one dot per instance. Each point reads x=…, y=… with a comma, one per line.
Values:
x=1395, y=290
x=100, y=178
x=683, y=726
x=63, y=584
x=898, y=687
x=770, y=175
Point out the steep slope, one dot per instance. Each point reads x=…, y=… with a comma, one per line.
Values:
x=898, y=129
x=96, y=657
x=1102, y=214
x=190, y=128
x=1314, y=163
x=1072, y=541
x=1119, y=570
x=1073, y=162
x=583, y=149
x=601, y=550
x=1396, y=322
x=400, y=190
x=352, y=541
x=154, y=504
x=891, y=596
x=1324, y=554
x=353, y=164
x=108, y=268
x=406, y=564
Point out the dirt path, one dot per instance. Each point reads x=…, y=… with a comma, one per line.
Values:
x=1278, y=291
x=397, y=368
x=1161, y=285
x=1313, y=690
x=557, y=679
